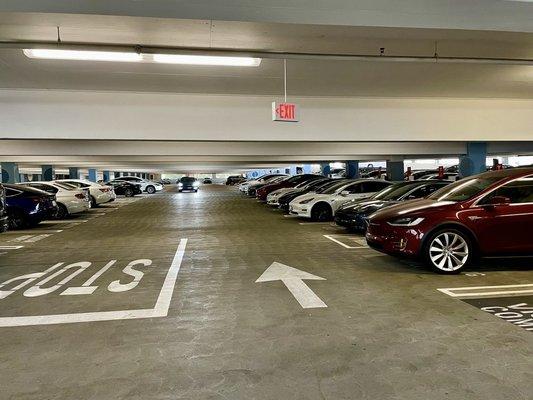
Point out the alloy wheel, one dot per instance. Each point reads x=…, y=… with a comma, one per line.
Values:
x=448, y=251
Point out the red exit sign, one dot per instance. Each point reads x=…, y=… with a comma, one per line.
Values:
x=287, y=112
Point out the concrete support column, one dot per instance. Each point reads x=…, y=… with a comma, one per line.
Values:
x=395, y=170
x=475, y=160
x=10, y=172
x=352, y=169
x=325, y=169
x=73, y=173
x=92, y=175
x=107, y=176
x=48, y=173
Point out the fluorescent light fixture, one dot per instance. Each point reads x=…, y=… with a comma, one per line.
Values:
x=206, y=60
x=82, y=55
x=89, y=55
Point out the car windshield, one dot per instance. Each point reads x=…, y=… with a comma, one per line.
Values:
x=464, y=189
x=66, y=186
x=396, y=192
x=187, y=179
x=333, y=188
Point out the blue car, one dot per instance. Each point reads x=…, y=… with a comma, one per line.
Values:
x=27, y=207
x=3, y=211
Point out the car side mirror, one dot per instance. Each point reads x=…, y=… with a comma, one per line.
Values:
x=499, y=201
x=345, y=193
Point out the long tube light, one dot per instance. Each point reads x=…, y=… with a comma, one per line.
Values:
x=86, y=55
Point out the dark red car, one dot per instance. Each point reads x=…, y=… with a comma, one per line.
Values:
x=489, y=214
x=263, y=192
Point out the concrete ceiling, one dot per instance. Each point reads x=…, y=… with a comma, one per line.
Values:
x=307, y=77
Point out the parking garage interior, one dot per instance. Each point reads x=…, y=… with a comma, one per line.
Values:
x=249, y=200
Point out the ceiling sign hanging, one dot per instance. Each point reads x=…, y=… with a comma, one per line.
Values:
x=286, y=112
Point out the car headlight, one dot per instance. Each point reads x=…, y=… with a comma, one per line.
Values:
x=406, y=221
x=307, y=200
x=180, y=184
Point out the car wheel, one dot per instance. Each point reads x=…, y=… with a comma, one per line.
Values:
x=62, y=211
x=196, y=191
x=150, y=189
x=448, y=251
x=93, y=202
x=128, y=193
x=17, y=220
x=321, y=212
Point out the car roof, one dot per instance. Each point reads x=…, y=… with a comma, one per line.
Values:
x=510, y=172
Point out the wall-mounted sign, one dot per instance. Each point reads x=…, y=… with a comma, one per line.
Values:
x=286, y=112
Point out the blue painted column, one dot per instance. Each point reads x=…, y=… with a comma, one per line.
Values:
x=325, y=169
x=475, y=160
x=395, y=170
x=92, y=175
x=352, y=169
x=10, y=172
x=48, y=173
x=107, y=175
x=73, y=173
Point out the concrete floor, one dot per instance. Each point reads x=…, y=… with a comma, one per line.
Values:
x=387, y=332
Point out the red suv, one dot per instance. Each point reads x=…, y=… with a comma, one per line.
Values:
x=490, y=214
x=294, y=180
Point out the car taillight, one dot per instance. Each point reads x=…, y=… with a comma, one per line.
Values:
x=80, y=196
x=104, y=190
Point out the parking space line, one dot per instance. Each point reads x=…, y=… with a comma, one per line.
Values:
x=330, y=237
x=21, y=238
x=37, y=238
x=64, y=221
x=10, y=247
x=314, y=223
x=36, y=230
x=484, y=291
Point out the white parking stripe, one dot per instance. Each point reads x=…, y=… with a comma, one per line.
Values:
x=64, y=221
x=10, y=247
x=21, y=238
x=37, y=238
x=484, y=291
x=330, y=237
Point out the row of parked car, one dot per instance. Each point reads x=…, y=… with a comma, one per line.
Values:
x=26, y=204
x=446, y=224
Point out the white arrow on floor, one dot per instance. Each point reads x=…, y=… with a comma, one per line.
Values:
x=293, y=279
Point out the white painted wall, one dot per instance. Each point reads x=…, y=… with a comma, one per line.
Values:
x=141, y=116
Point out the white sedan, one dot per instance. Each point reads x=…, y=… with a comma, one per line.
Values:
x=69, y=200
x=147, y=186
x=322, y=206
x=100, y=194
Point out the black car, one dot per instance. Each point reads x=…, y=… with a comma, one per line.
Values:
x=3, y=210
x=235, y=179
x=207, y=181
x=317, y=187
x=354, y=214
x=188, y=183
x=123, y=188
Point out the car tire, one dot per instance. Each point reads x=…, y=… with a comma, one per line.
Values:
x=321, y=212
x=196, y=191
x=150, y=189
x=179, y=190
x=128, y=193
x=93, y=202
x=17, y=220
x=62, y=211
x=448, y=251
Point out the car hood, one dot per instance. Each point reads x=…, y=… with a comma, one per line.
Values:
x=280, y=192
x=412, y=207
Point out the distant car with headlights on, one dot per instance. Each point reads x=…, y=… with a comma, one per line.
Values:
x=188, y=184
x=354, y=214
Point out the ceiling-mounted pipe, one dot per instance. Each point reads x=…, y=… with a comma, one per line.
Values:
x=261, y=54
